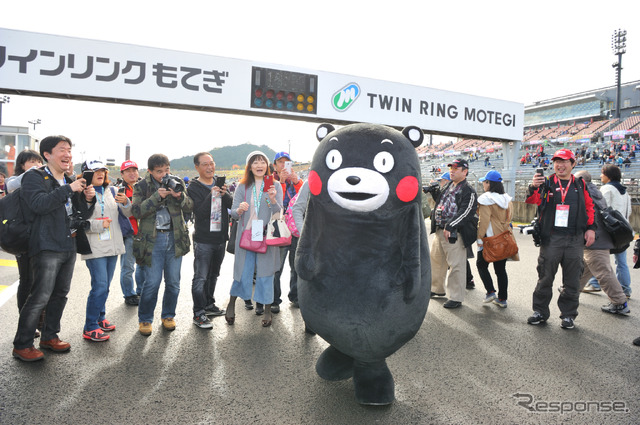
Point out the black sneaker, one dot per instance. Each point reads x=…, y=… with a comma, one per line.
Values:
x=275, y=308
x=452, y=304
x=248, y=304
x=567, y=323
x=132, y=300
x=259, y=309
x=202, y=322
x=213, y=311
x=471, y=284
x=536, y=318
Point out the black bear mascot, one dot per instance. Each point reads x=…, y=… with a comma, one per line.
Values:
x=363, y=257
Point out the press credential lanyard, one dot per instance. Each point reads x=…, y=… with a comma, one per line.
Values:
x=562, y=210
x=257, y=226
x=68, y=207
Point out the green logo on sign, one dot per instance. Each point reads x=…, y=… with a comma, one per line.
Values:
x=345, y=97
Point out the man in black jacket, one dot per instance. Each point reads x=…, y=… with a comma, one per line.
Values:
x=210, y=205
x=454, y=222
x=47, y=196
x=567, y=226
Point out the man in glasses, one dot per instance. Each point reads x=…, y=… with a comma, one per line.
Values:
x=454, y=222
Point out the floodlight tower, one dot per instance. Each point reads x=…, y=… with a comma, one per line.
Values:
x=619, y=47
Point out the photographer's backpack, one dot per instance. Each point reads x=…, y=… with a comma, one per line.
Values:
x=14, y=228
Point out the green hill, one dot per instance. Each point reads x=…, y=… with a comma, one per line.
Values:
x=224, y=157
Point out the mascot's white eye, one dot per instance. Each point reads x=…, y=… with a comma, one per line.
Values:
x=383, y=162
x=334, y=159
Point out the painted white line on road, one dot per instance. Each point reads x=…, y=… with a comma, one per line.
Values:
x=8, y=293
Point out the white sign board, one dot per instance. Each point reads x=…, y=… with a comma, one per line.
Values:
x=57, y=66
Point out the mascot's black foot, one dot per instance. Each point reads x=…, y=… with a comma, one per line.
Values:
x=373, y=383
x=333, y=365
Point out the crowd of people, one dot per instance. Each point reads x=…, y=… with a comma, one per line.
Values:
x=141, y=220
x=568, y=230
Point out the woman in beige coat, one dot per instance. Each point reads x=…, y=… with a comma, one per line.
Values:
x=494, y=210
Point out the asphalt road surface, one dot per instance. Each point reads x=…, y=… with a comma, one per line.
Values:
x=475, y=364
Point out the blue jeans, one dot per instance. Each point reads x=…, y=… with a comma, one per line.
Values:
x=101, y=270
x=127, y=267
x=52, y=272
x=264, y=285
x=206, y=269
x=293, y=279
x=163, y=259
x=622, y=273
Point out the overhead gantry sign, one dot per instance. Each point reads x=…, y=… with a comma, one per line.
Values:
x=37, y=64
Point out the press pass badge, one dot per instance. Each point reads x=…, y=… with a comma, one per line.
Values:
x=562, y=215
x=257, y=229
x=105, y=235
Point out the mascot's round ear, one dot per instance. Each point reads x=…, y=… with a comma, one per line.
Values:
x=414, y=134
x=323, y=130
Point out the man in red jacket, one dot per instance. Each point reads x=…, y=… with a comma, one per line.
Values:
x=566, y=225
x=130, y=176
x=291, y=184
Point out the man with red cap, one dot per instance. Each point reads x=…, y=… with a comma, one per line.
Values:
x=130, y=176
x=565, y=225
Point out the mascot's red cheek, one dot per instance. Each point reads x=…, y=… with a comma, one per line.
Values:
x=315, y=184
x=407, y=189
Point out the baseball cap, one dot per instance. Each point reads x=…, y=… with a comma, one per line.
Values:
x=459, y=162
x=282, y=155
x=564, y=154
x=93, y=165
x=445, y=176
x=128, y=164
x=492, y=176
x=257, y=153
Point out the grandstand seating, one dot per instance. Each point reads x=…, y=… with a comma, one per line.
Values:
x=628, y=124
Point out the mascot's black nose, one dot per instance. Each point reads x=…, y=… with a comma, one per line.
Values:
x=353, y=180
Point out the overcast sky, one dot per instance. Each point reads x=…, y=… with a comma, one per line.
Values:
x=515, y=51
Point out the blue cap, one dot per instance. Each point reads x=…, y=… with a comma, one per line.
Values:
x=445, y=176
x=492, y=176
x=186, y=178
x=282, y=155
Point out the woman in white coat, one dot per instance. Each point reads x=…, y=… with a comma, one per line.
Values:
x=616, y=196
x=106, y=242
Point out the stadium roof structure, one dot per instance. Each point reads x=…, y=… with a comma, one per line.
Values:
x=594, y=104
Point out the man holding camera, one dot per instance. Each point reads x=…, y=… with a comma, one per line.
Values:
x=565, y=225
x=454, y=222
x=47, y=195
x=159, y=201
x=210, y=210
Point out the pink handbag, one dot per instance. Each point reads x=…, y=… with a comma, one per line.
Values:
x=246, y=243
x=256, y=246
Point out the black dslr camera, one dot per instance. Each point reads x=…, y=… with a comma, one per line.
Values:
x=169, y=181
x=76, y=222
x=453, y=237
x=428, y=189
x=534, y=231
